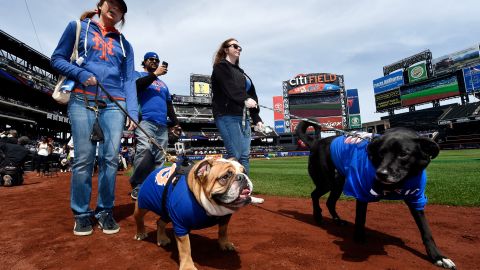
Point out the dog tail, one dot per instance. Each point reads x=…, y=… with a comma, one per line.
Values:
x=301, y=132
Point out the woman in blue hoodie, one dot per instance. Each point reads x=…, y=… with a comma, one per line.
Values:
x=105, y=56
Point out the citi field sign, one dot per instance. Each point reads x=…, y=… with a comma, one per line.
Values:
x=311, y=83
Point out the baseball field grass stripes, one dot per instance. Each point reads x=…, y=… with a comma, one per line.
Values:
x=453, y=177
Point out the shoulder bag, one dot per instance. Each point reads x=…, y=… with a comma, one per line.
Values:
x=61, y=93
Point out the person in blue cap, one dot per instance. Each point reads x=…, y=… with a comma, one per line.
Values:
x=155, y=105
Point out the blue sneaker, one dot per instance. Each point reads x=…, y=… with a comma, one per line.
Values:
x=83, y=226
x=107, y=223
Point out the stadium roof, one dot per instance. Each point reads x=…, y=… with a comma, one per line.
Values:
x=22, y=50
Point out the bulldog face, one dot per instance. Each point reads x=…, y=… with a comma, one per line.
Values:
x=220, y=186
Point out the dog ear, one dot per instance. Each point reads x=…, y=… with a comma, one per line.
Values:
x=203, y=168
x=429, y=146
x=373, y=147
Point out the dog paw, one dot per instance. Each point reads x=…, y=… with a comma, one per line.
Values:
x=340, y=222
x=228, y=246
x=256, y=200
x=360, y=238
x=163, y=242
x=446, y=263
x=140, y=236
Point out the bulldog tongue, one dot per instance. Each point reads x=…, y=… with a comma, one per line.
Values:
x=245, y=193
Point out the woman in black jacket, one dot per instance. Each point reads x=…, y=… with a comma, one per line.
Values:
x=234, y=102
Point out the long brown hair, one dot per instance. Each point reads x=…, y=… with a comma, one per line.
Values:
x=221, y=54
x=90, y=13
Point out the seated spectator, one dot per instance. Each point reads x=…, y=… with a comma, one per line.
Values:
x=12, y=159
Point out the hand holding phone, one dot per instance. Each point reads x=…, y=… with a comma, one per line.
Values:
x=161, y=69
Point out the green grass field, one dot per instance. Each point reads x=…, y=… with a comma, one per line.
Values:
x=453, y=177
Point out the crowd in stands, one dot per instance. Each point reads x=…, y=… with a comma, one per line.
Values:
x=46, y=156
x=42, y=82
x=28, y=105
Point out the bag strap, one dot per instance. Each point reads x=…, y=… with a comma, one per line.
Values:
x=75, y=46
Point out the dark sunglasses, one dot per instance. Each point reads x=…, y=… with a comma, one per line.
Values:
x=151, y=59
x=235, y=46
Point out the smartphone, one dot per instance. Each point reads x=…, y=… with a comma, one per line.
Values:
x=165, y=64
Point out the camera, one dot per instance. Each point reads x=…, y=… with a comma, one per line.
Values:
x=165, y=64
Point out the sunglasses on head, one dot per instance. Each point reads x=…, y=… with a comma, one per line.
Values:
x=151, y=59
x=235, y=46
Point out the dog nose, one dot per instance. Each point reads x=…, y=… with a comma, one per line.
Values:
x=382, y=174
x=240, y=177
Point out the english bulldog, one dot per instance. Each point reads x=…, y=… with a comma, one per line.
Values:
x=208, y=195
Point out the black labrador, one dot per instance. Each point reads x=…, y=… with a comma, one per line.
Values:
x=371, y=168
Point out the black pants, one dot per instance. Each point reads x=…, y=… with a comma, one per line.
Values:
x=41, y=163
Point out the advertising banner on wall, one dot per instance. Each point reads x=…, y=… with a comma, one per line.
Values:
x=389, y=82
x=417, y=73
x=457, y=60
x=314, y=95
x=278, y=110
x=388, y=100
x=200, y=85
x=312, y=83
x=353, y=104
x=432, y=90
x=326, y=122
x=471, y=76
x=354, y=121
x=280, y=126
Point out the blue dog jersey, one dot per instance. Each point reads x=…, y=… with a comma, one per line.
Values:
x=184, y=210
x=351, y=160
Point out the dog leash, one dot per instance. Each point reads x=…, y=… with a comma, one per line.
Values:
x=151, y=140
x=180, y=170
x=347, y=133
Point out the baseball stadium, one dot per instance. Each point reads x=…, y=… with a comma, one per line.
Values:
x=280, y=233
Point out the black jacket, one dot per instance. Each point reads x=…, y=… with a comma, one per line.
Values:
x=13, y=154
x=229, y=93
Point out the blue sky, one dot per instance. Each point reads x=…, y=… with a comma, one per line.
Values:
x=280, y=39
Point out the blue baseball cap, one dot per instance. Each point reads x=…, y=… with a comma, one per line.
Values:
x=150, y=55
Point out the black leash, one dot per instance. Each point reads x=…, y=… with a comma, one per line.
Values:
x=347, y=133
x=182, y=170
x=150, y=138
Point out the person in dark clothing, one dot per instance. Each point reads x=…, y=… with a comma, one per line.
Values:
x=155, y=105
x=234, y=104
x=12, y=158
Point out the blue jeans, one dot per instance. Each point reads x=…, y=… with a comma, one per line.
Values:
x=160, y=134
x=235, y=138
x=112, y=121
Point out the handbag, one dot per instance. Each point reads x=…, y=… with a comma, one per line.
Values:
x=61, y=92
x=97, y=132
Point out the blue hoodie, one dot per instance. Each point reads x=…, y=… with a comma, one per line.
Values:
x=104, y=58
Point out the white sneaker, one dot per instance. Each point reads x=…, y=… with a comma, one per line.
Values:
x=256, y=200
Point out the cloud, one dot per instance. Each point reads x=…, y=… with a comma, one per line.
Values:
x=280, y=38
